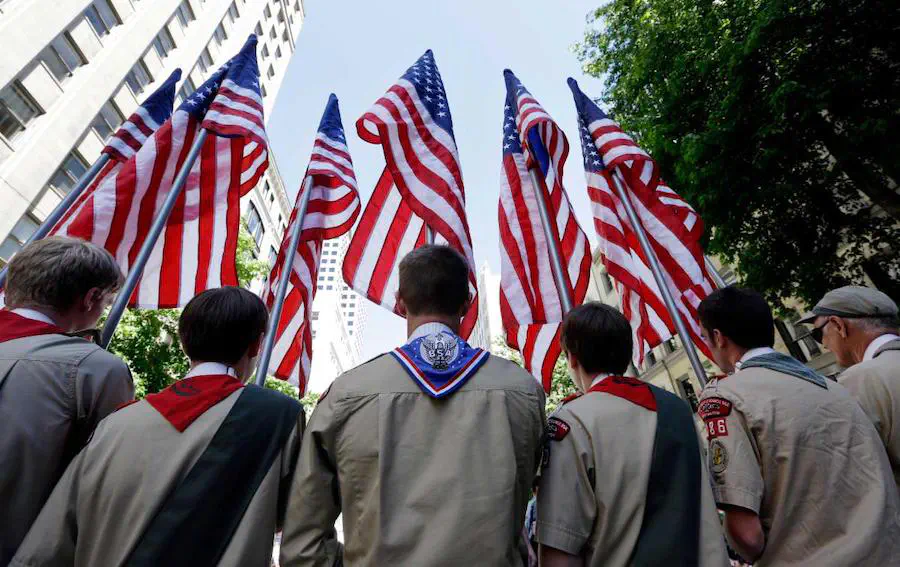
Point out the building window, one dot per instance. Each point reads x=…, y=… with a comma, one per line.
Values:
x=277, y=53
x=254, y=225
x=330, y=278
x=205, y=60
x=233, y=12
x=184, y=14
x=258, y=30
x=651, y=359
x=272, y=33
x=688, y=392
x=315, y=316
x=273, y=255
x=20, y=233
x=102, y=17
x=17, y=110
x=265, y=52
x=270, y=72
x=607, y=283
x=267, y=12
x=262, y=90
x=107, y=120
x=68, y=174
x=187, y=88
x=163, y=43
x=62, y=57
x=219, y=35
x=297, y=6
x=138, y=78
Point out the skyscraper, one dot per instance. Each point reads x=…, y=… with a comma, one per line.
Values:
x=72, y=70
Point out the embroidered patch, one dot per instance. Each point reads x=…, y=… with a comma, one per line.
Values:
x=440, y=363
x=557, y=429
x=440, y=350
x=716, y=427
x=718, y=457
x=714, y=407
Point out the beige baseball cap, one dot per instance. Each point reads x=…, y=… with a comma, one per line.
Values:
x=853, y=301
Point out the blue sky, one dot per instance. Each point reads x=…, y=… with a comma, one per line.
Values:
x=358, y=49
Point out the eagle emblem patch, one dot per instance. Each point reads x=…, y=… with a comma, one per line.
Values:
x=440, y=363
x=440, y=350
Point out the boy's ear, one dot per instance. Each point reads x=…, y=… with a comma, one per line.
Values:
x=400, y=305
x=256, y=346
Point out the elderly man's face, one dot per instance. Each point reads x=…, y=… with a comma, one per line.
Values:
x=832, y=333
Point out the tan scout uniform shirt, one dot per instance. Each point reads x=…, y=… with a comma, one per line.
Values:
x=807, y=460
x=56, y=389
x=593, y=485
x=876, y=384
x=420, y=481
x=114, y=487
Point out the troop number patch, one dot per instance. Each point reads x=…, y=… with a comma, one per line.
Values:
x=714, y=407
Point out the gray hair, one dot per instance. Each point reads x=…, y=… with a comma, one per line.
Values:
x=56, y=272
x=887, y=323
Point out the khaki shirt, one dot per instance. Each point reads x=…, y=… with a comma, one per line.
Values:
x=54, y=389
x=807, y=460
x=593, y=485
x=876, y=385
x=420, y=481
x=108, y=496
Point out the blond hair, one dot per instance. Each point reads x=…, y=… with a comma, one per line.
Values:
x=56, y=272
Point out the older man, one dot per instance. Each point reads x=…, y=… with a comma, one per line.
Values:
x=861, y=327
x=54, y=387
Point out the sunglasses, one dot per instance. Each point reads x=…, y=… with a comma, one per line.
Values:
x=818, y=332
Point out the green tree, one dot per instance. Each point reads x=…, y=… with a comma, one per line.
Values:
x=147, y=339
x=778, y=120
x=561, y=384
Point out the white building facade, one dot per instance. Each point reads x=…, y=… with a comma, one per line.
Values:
x=73, y=70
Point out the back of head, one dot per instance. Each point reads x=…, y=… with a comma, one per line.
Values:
x=434, y=280
x=220, y=325
x=599, y=338
x=741, y=314
x=57, y=272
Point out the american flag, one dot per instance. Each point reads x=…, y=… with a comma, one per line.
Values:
x=671, y=225
x=530, y=303
x=421, y=183
x=197, y=248
x=127, y=140
x=332, y=210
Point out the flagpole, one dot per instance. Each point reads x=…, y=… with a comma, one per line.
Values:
x=689, y=348
x=714, y=273
x=137, y=269
x=429, y=235
x=556, y=265
x=63, y=206
x=265, y=354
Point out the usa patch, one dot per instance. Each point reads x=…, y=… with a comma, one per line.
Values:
x=557, y=429
x=714, y=407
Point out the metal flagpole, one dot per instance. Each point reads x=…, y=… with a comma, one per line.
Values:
x=63, y=206
x=137, y=269
x=429, y=235
x=714, y=273
x=265, y=354
x=556, y=264
x=660, y=281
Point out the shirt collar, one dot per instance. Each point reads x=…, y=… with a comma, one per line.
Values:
x=426, y=329
x=211, y=369
x=753, y=353
x=877, y=344
x=599, y=378
x=34, y=315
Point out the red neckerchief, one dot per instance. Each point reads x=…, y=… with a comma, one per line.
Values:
x=631, y=389
x=186, y=400
x=14, y=326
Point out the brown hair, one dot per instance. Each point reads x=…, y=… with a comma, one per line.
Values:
x=58, y=271
x=598, y=337
x=434, y=280
x=219, y=325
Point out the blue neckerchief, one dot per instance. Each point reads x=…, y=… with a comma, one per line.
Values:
x=786, y=365
x=440, y=363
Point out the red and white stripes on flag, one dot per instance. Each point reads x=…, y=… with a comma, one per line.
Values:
x=197, y=248
x=530, y=303
x=421, y=183
x=670, y=224
x=332, y=210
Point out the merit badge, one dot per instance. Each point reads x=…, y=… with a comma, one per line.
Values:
x=440, y=350
x=718, y=457
x=557, y=429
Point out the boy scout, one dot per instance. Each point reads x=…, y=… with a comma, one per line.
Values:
x=860, y=326
x=623, y=480
x=194, y=475
x=796, y=464
x=429, y=451
x=54, y=387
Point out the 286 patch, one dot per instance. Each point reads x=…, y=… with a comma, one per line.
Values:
x=557, y=429
x=714, y=407
x=716, y=427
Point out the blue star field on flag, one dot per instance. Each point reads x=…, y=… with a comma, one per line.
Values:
x=427, y=80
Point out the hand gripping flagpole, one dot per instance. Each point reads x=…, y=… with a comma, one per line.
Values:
x=63, y=206
x=137, y=269
x=689, y=348
x=556, y=264
x=265, y=354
